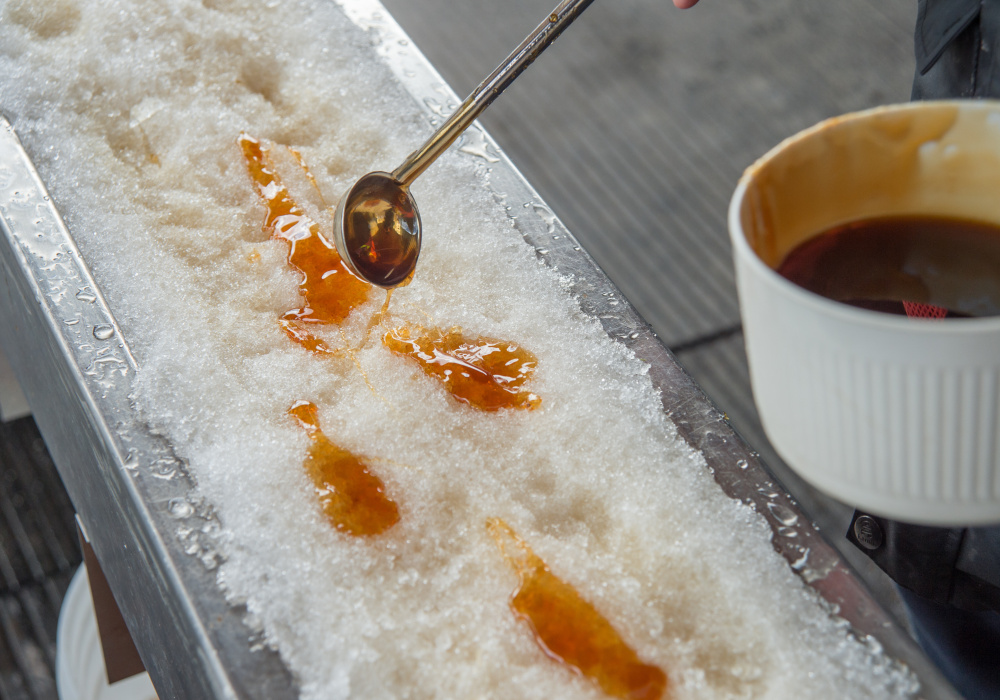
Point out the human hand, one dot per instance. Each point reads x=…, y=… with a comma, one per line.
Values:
x=685, y=4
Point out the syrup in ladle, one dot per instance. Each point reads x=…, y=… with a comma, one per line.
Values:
x=377, y=226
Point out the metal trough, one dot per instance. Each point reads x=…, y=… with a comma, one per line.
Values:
x=133, y=496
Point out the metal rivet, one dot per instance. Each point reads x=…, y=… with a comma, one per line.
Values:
x=867, y=532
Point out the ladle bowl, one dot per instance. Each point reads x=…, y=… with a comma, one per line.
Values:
x=378, y=230
x=376, y=227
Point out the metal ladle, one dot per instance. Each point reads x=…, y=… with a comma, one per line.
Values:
x=377, y=226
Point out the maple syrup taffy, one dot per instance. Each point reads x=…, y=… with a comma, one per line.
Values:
x=330, y=292
x=569, y=629
x=352, y=497
x=483, y=372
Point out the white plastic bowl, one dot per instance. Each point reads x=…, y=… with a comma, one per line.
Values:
x=80, y=671
x=897, y=416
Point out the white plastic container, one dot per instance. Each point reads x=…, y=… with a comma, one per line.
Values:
x=80, y=671
x=897, y=416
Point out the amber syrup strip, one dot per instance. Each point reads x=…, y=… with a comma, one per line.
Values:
x=352, y=497
x=330, y=292
x=569, y=629
x=483, y=372
x=379, y=316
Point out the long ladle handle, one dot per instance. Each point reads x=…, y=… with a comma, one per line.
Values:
x=488, y=90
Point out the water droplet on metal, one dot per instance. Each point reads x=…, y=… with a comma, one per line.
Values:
x=131, y=462
x=104, y=331
x=165, y=469
x=548, y=216
x=86, y=295
x=801, y=562
x=783, y=514
x=743, y=464
x=180, y=508
x=474, y=143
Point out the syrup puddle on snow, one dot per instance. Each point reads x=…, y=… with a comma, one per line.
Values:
x=352, y=497
x=329, y=291
x=483, y=372
x=569, y=629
